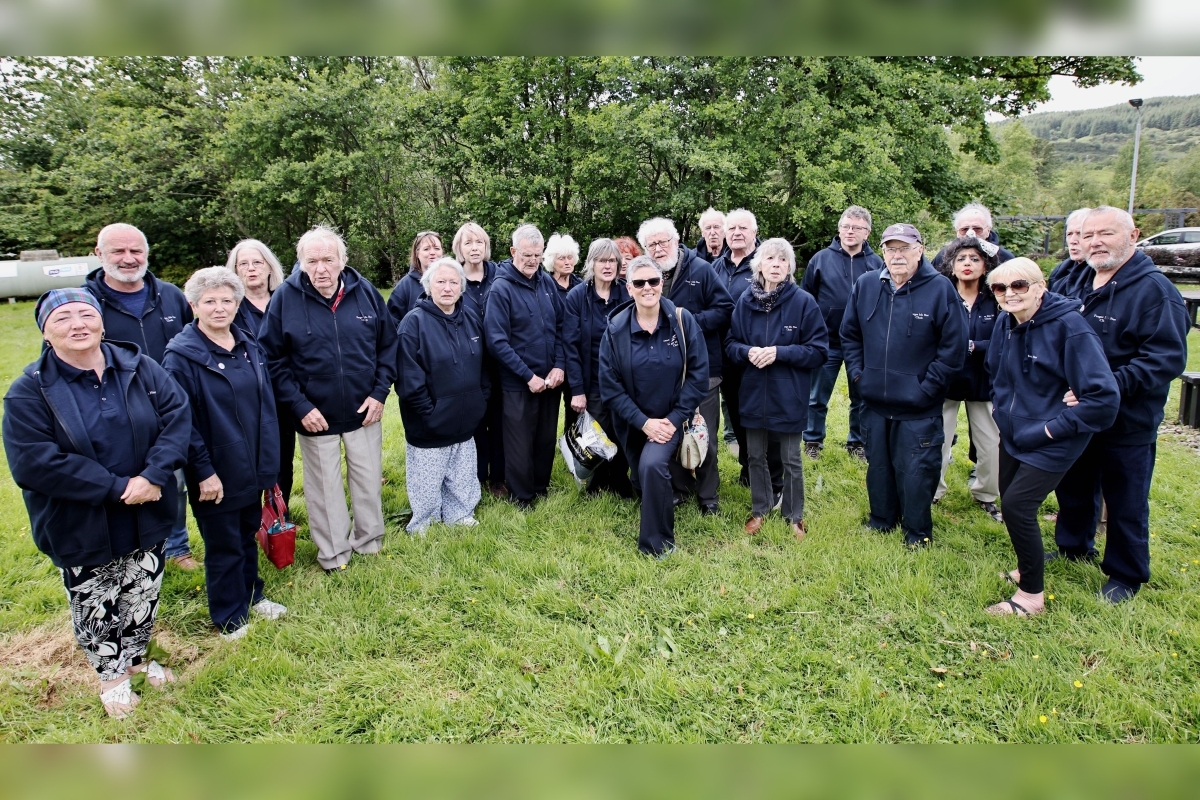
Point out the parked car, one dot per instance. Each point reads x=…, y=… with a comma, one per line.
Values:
x=1176, y=252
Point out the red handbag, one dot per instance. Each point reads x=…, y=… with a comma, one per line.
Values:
x=276, y=536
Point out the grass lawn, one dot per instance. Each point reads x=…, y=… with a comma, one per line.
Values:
x=550, y=627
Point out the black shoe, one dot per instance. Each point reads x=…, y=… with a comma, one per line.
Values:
x=813, y=450
x=522, y=505
x=744, y=478
x=1089, y=557
x=709, y=510
x=991, y=510
x=1116, y=592
x=680, y=499
x=917, y=542
x=857, y=451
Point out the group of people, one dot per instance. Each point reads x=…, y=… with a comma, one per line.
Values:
x=146, y=398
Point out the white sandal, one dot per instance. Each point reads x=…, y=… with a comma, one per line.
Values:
x=120, y=700
x=157, y=674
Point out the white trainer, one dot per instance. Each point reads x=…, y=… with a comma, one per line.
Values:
x=268, y=609
x=240, y=633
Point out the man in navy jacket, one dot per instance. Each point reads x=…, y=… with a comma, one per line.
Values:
x=140, y=309
x=829, y=277
x=690, y=282
x=904, y=338
x=1073, y=277
x=523, y=323
x=1143, y=325
x=712, y=236
x=331, y=352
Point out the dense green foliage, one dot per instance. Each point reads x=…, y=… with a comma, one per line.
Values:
x=200, y=152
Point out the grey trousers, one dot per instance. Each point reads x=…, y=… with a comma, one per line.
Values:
x=762, y=496
x=325, y=496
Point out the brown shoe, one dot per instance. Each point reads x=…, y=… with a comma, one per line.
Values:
x=185, y=562
x=754, y=525
x=799, y=530
x=499, y=491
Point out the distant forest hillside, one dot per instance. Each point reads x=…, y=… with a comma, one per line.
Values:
x=1170, y=125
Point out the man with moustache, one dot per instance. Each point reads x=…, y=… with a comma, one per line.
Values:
x=141, y=309
x=1143, y=324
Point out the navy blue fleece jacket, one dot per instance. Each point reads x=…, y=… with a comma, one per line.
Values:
x=697, y=287
x=164, y=315
x=523, y=323
x=829, y=277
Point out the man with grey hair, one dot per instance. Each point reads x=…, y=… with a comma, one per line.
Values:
x=711, y=244
x=523, y=321
x=975, y=219
x=690, y=282
x=331, y=351
x=829, y=277
x=141, y=309
x=1070, y=278
x=1143, y=326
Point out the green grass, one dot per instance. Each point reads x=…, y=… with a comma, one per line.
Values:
x=491, y=634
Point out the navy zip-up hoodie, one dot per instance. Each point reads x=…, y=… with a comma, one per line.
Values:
x=327, y=359
x=617, y=390
x=583, y=329
x=736, y=278
x=1071, y=279
x=223, y=423
x=405, y=295
x=1002, y=256
x=971, y=382
x=51, y=457
x=829, y=277
x=164, y=316
x=524, y=326
x=1032, y=366
x=1143, y=325
x=441, y=381
x=249, y=318
x=768, y=396
x=701, y=251
x=697, y=288
x=475, y=293
x=903, y=347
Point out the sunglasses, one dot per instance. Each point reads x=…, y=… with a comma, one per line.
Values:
x=638, y=283
x=1018, y=287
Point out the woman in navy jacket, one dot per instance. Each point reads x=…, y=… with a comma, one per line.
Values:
x=234, y=453
x=966, y=263
x=1051, y=390
x=93, y=433
x=473, y=248
x=653, y=375
x=585, y=318
x=426, y=249
x=443, y=392
x=779, y=336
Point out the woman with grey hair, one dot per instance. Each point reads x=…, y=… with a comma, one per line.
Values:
x=559, y=259
x=443, y=391
x=585, y=318
x=778, y=333
x=261, y=273
x=234, y=452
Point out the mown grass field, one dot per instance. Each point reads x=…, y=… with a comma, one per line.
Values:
x=550, y=627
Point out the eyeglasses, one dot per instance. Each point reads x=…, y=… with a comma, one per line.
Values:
x=639, y=283
x=255, y=263
x=660, y=245
x=895, y=251
x=1018, y=287
x=854, y=228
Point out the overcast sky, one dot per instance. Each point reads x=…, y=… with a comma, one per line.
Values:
x=1161, y=76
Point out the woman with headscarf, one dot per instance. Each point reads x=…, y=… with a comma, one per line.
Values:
x=94, y=432
x=966, y=262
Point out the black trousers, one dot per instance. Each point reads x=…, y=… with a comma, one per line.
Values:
x=231, y=564
x=707, y=478
x=904, y=459
x=489, y=439
x=530, y=427
x=1123, y=474
x=731, y=385
x=653, y=466
x=1022, y=490
x=287, y=450
x=611, y=475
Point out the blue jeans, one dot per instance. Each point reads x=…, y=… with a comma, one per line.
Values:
x=177, y=540
x=823, y=380
x=1122, y=473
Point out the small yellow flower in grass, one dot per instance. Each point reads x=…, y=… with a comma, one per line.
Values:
x=1174, y=655
x=342, y=567
x=940, y=685
x=1195, y=561
x=1078, y=684
x=1049, y=597
x=197, y=588
x=472, y=599
x=289, y=583
x=1054, y=712
x=749, y=616
x=1036, y=656
x=1043, y=719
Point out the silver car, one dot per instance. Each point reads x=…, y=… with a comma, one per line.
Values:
x=1176, y=252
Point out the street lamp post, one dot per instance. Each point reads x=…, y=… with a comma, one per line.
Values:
x=1137, y=141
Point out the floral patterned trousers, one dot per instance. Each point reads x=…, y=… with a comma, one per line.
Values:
x=113, y=608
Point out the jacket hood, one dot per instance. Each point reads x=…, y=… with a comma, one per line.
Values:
x=125, y=357
x=427, y=305
x=190, y=343
x=836, y=246
x=506, y=270
x=1053, y=306
x=925, y=273
x=1137, y=267
x=788, y=289
x=299, y=280
x=96, y=277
